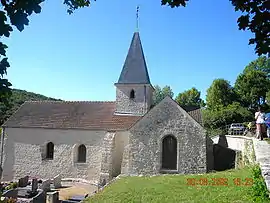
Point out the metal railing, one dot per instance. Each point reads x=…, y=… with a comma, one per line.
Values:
x=243, y=129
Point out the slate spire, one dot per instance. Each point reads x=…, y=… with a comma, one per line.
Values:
x=135, y=70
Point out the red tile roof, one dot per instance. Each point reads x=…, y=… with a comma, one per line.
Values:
x=66, y=115
x=74, y=115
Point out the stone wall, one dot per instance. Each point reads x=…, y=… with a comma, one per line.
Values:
x=133, y=106
x=121, y=140
x=112, y=155
x=107, y=158
x=209, y=154
x=238, y=143
x=23, y=153
x=143, y=155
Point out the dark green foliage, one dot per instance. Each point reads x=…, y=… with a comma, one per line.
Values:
x=220, y=94
x=261, y=63
x=226, y=104
x=256, y=18
x=259, y=189
x=252, y=86
x=191, y=97
x=233, y=113
x=16, y=13
x=18, y=97
x=160, y=93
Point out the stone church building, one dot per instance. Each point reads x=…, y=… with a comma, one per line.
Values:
x=97, y=140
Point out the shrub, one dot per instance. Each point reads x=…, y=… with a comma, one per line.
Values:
x=259, y=189
x=14, y=185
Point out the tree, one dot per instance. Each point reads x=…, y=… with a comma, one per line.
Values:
x=160, y=93
x=219, y=94
x=16, y=12
x=268, y=97
x=233, y=113
x=262, y=63
x=191, y=97
x=252, y=87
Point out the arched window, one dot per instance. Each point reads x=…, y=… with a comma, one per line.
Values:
x=132, y=94
x=49, y=150
x=82, y=154
x=169, y=153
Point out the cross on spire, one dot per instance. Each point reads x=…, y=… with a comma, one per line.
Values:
x=137, y=18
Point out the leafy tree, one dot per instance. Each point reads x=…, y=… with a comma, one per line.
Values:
x=191, y=97
x=252, y=87
x=16, y=12
x=233, y=113
x=268, y=97
x=220, y=94
x=160, y=93
x=262, y=63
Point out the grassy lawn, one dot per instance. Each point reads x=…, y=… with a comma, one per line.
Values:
x=175, y=188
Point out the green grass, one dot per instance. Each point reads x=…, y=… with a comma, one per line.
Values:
x=174, y=188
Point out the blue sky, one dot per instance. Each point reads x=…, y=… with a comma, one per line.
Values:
x=80, y=56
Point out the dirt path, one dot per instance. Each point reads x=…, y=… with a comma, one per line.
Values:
x=73, y=188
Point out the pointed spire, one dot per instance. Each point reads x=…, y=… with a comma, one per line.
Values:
x=135, y=69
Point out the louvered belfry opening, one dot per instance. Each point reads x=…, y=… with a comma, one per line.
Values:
x=169, y=153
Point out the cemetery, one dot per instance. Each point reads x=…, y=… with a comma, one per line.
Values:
x=33, y=190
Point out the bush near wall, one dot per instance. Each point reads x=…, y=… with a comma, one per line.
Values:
x=259, y=189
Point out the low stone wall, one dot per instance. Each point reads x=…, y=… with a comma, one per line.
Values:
x=238, y=143
x=252, y=151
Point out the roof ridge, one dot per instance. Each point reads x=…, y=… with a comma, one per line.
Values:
x=52, y=101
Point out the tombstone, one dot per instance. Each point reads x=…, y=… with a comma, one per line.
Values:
x=57, y=182
x=46, y=185
x=34, y=185
x=52, y=197
x=23, y=182
x=13, y=193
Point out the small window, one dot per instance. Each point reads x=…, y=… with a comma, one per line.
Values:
x=132, y=94
x=49, y=150
x=82, y=154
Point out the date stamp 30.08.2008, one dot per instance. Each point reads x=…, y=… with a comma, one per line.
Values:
x=219, y=181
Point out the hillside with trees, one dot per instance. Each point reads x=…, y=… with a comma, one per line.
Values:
x=18, y=97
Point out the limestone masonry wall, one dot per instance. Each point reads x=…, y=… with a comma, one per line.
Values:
x=136, y=105
x=23, y=153
x=238, y=143
x=144, y=152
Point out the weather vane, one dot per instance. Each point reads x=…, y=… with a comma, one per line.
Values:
x=137, y=18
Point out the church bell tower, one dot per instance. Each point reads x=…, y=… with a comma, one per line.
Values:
x=133, y=89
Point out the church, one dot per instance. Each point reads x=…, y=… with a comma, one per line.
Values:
x=99, y=140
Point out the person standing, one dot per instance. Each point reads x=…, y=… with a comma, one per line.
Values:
x=260, y=127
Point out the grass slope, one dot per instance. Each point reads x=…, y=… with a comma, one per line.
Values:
x=174, y=188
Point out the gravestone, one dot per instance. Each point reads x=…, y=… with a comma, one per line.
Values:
x=52, y=197
x=11, y=193
x=46, y=185
x=23, y=182
x=1, y=171
x=57, y=182
x=34, y=185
